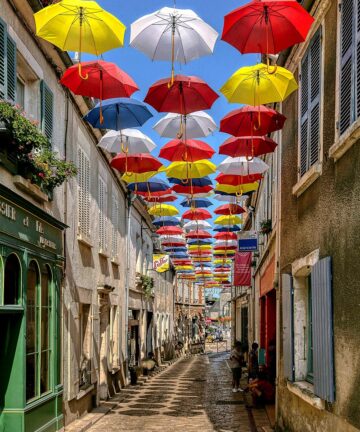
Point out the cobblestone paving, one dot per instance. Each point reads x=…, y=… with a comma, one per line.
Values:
x=194, y=394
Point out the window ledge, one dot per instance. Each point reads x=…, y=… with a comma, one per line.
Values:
x=84, y=392
x=83, y=239
x=115, y=261
x=346, y=141
x=29, y=188
x=307, y=179
x=305, y=391
x=103, y=253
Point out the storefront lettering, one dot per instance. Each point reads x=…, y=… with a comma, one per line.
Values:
x=44, y=242
x=39, y=227
x=7, y=210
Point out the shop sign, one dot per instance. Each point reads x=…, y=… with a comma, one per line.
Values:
x=161, y=263
x=17, y=222
x=248, y=241
x=242, y=269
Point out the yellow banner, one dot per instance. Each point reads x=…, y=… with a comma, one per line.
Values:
x=161, y=263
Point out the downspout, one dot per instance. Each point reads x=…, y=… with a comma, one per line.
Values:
x=127, y=281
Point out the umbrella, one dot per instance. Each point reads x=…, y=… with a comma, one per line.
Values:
x=225, y=228
x=225, y=243
x=196, y=203
x=153, y=185
x=173, y=34
x=169, y=230
x=247, y=146
x=188, y=170
x=241, y=166
x=186, y=150
x=160, y=199
x=174, y=239
x=128, y=141
x=186, y=95
x=197, y=195
x=228, y=220
x=229, y=209
x=237, y=190
x=176, y=249
x=195, y=125
x=166, y=221
x=179, y=255
x=118, y=113
x=237, y=180
x=80, y=26
x=199, y=247
x=227, y=235
x=199, y=234
x=196, y=214
x=136, y=163
x=266, y=26
x=233, y=199
x=252, y=121
x=196, y=224
x=137, y=178
x=202, y=181
x=191, y=190
x=163, y=210
x=254, y=85
x=200, y=242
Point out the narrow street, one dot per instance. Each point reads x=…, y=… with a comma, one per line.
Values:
x=192, y=394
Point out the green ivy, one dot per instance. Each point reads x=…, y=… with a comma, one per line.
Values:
x=147, y=283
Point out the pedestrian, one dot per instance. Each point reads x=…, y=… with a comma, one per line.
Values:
x=262, y=391
x=253, y=364
x=271, y=362
x=235, y=362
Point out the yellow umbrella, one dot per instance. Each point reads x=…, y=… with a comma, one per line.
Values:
x=163, y=210
x=138, y=178
x=188, y=170
x=222, y=261
x=224, y=252
x=81, y=26
x=228, y=220
x=254, y=85
x=199, y=247
x=205, y=259
x=189, y=267
x=239, y=190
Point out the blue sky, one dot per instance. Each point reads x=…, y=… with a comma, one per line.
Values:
x=215, y=69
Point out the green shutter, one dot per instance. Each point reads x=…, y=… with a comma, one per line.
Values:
x=2, y=60
x=47, y=110
x=11, y=69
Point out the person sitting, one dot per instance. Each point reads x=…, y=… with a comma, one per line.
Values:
x=262, y=391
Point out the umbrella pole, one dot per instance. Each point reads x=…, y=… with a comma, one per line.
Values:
x=81, y=20
x=173, y=29
x=101, y=97
x=267, y=43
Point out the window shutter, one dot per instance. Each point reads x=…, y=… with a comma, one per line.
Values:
x=115, y=225
x=102, y=215
x=47, y=110
x=304, y=94
x=322, y=311
x=87, y=196
x=288, y=329
x=11, y=69
x=95, y=346
x=347, y=47
x=3, y=73
x=83, y=193
x=358, y=62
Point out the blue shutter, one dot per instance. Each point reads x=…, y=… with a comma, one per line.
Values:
x=47, y=110
x=2, y=60
x=322, y=315
x=288, y=325
x=11, y=69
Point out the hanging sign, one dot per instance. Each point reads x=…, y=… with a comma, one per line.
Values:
x=248, y=241
x=161, y=263
x=242, y=269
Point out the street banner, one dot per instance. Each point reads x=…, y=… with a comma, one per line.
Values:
x=248, y=241
x=161, y=263
x=242, y=269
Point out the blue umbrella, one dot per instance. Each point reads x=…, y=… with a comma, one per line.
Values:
x=179, y=255
x=119, y=113
x=175, y=249
x=225, y=228
x=203, y=181
x=199, y=242
x=153, y=185
x=197, y=203
x=166, y=221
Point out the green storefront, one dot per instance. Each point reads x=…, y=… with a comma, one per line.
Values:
x=31, y=263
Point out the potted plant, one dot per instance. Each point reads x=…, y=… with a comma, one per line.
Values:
x=266, y=226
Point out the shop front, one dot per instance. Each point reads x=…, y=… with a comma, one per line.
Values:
x=31, y=262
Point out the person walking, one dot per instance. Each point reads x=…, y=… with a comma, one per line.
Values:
x=235, y=362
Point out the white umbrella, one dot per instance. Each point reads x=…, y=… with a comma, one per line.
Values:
x=231, y=199
x=241, y=166
x=172, y=238
x=193, y=224
x=130, y=141
x=226, y=243
x=197, y=195
x=195, y=125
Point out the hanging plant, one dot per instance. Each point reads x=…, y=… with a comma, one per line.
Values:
x=147, y=283
x=266, y=226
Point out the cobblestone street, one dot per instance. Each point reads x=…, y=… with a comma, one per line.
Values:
x=191, y=395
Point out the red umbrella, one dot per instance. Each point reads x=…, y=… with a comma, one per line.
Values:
x=181, y=261
x=247, y=146
x=172, y=244
x=161, y=199
x=187, y=150
x=169, y=230
x=136, y=163
x=235, y=180
x=222, y=269
x=229, y=209
x=186, y=95
x=197, y=214
x=191, y=189
x=201, y=234
x=105, y=80
x=157, y=194
x=266, y=26
x=227, y=235
x=227, y=248
x=252, y=121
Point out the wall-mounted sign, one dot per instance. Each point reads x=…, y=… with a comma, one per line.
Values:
x=161, y=263
x=248, y=241
x=242, y=269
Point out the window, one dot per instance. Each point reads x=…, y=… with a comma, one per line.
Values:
x=115, y=226
x=310, y=348
x=102, y=214
x=7, y=65
x=32, y=306
x=310, y=84
x=45, y=330
x=350, y=64
x=85, y=346
x=20, y=92
x=12, y=280
x=83, y=194
x=46, y=110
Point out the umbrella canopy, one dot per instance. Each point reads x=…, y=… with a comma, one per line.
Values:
x=254, y=85
x=227, y=235
x=266, y=26
x=195, y=125
x=197, y=214
x=118, y=113
x=199, y=234
x=196, y=203
x=136, y=178
x=196, y=224
x=241, y=166
x=163, y=210
x=224, y=228
x=231, y=198
x=188, y=170
x=176, y=249
x=247, y=146
x=166, y=221
x=237, y=180
x=168, y=230
x=186, y=95
x=136, y=163
x=228, y=220
x=225, y=243
x=202, y=181
x=153, y=185
x=200, y=242
x=129, y=141
x=237, y=190
x=180, y=255
x=229, y=209
x=252, y=121
x=199, y=247
x=186, y=150
x=191, y=190
x=196, y=195
x=160, y=199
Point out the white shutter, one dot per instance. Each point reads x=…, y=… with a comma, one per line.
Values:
x=102, y=215
x=115, y=225
x=83, y=193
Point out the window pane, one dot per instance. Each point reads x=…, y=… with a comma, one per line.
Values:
x=12, y=280
x=45, y=330
x=30, y=376
x=20, y=93
x=31, y=319
x=44, y=377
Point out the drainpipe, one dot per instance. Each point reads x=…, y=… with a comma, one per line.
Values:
x=127, y=280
